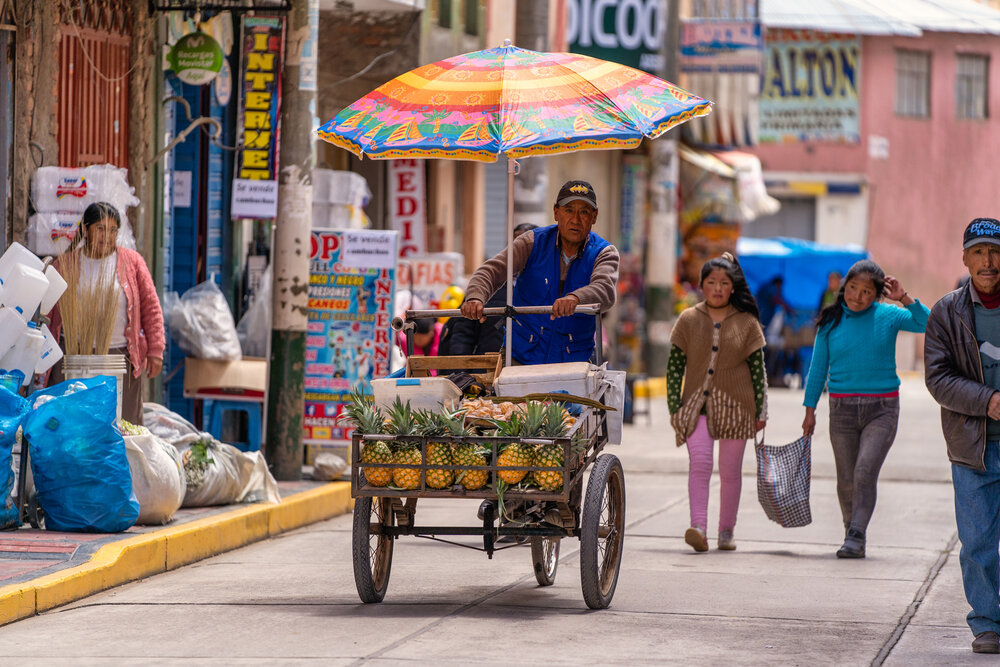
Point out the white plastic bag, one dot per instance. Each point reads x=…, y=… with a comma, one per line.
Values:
x=614, y=397
x=51, y=233
x=157, y=477
x=215, y=473
x=254, y=328
x=328, y=466
x=202, y=324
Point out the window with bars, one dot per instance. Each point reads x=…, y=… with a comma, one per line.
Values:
x=913, y=83
x=971, y=86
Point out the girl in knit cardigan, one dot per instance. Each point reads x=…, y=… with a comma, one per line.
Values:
x=718, y=353
x=855, y=350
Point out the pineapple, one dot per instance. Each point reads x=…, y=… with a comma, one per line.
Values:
x=514, y=453
x=550, y=455
x=368, y=419
x=432, y=424
x=466, y=454
x=401, y=424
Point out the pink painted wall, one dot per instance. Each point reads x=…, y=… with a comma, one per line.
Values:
x=940, y=174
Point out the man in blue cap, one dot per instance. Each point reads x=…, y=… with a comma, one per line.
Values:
x=562, y=265
x=962, y=362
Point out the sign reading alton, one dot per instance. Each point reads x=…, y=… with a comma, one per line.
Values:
x=255, y=182
x=810, y=87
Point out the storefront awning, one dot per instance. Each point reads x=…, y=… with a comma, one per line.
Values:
x=728, y=185
x=881, y=17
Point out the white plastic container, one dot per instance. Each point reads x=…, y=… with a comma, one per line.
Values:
x=24, y=288
x=91, y=365
x=12, y=327
x=423, y=393
x=579, y=378
x=51, y=352
x=57, y=285
x=25, y=353
x=18, y=254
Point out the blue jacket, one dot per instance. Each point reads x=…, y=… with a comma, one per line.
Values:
x=538, y=339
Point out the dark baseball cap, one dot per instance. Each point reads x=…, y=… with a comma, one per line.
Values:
x=577, y=191
x=982, y=230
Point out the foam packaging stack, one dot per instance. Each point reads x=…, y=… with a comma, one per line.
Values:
x=339, y=198
x=579, y=378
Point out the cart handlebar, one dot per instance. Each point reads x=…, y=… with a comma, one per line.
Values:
x=401, y=324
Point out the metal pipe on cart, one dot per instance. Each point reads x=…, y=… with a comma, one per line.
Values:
x=511, y=170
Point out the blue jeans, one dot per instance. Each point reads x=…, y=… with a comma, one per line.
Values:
x=977, y=512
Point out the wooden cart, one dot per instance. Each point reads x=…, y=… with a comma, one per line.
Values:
x=595, y=515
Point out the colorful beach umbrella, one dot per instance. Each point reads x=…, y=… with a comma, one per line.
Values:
x=513, y=102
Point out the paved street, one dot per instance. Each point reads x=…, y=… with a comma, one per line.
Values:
x=781, y=598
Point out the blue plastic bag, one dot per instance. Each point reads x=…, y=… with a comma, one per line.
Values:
x=78, y=457
x=12, y=411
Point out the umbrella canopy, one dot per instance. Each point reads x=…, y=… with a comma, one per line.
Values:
x=514, y=102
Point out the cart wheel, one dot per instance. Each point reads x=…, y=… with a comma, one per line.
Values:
x=545, y=559
x=602, y=531
x=372, y=551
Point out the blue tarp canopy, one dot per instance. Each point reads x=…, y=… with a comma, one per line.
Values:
x=804, y=265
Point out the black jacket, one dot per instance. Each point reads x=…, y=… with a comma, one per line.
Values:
x=464, y=336
x=954, y=377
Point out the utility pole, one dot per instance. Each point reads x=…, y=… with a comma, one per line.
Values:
x=661, y=246
x=531, y=31
x=286, y=384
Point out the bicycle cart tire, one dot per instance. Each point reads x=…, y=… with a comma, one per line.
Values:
x=372, y=551
x=545, y=559
x=602, y=531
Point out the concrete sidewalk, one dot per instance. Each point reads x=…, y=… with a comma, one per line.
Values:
x=42, y=569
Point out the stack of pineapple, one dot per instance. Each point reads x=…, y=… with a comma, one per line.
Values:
x=466, y=461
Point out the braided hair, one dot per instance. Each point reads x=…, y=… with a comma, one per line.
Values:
x=741, y=299
x=865, y=269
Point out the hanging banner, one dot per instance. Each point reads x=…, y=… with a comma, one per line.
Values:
x=196, y=58
x=428, y=276
x=352, y=277
x=721, y=46
x=810, y=87
x=408, y=205
x=255, y=178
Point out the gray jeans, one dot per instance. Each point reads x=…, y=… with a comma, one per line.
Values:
x=862, y=429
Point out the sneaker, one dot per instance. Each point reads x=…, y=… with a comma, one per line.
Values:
x=854, y=545
x=696, y=538
x=986, y=642
x=726, y=540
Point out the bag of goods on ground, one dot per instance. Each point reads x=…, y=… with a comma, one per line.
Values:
x=13, y=408
x=202, y=324
x=78, y=458
x=157, y=475
x=167, y=424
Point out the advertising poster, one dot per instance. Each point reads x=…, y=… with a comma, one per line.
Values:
x=255, y=178
x=809, y=91
x=352, y=275
x=428, y=276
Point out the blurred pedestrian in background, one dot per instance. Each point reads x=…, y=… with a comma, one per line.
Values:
x=829, y=295
x=855, y=354
x=717, y=356
x=773, y=309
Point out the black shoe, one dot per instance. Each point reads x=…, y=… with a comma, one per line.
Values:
x=986, y=642
x=854, y=545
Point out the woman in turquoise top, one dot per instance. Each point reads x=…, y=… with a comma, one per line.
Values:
x=854, y=355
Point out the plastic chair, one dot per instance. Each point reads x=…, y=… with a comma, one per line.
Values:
x=252, y=409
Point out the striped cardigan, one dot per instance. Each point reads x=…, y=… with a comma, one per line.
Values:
x=717, y=377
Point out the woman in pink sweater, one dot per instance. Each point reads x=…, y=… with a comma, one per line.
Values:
x=137, y=331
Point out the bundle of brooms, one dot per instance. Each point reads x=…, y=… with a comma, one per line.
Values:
x=88, y=309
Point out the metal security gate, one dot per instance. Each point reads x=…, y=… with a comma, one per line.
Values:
x=94, y=64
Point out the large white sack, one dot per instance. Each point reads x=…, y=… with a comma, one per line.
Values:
x=157, y=477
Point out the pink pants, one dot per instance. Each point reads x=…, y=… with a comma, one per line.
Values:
x=700, y=446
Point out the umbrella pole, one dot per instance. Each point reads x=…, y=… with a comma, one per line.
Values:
x=511, y=169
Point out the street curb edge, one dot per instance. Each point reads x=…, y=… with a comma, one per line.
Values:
x=172, y=547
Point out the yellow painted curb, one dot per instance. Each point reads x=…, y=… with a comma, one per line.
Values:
x=169, y=548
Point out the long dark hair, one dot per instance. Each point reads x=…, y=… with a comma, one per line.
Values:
x=864, y=268
x=741, y=298
x=94, y=214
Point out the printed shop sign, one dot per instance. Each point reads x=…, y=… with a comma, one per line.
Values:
x=408, y=205
x=628, y=32
x=352, y=277
x=196, y=58
x=810, y=87
x=255, y=182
